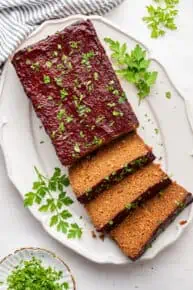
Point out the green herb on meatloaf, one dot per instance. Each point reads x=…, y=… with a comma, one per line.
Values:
x=35, y=66
x=86, y=58
x=117, y=113
x=59, y=46
x=32, y=274
x=50, y=196
x=81, y=108
x=123, y=98
x=77, y=148
x=133, y=67
x=63, y=93
x=46, y=79
x=58, y=81
x=96, y=76
x=161, y=16
x=48, y=64
x=74, y=44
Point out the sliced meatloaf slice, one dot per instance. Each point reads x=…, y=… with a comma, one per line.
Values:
x=136, y=233
x=108, y=166
x=111, y=206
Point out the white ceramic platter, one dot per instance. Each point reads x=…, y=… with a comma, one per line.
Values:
x=21, y=136
x=8, y=264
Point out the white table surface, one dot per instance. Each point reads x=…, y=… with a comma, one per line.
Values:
x=172, y=269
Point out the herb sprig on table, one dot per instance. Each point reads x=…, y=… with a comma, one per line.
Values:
x=50, y=195
x=33, y=275
x=133, y=66
x=161, y=16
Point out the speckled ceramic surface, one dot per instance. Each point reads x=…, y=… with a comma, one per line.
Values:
x=21, y=136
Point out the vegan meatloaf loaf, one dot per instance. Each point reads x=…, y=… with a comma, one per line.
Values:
x=136, y=233
x=111, y=206
x=75, y=91
x=109, y=165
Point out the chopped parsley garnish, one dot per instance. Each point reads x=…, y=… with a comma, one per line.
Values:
x=69, y=119
x=32, y=274
x=55, y=53
x=156, y=130
x=64, y=58
x=77, y=84
x=63, y=93
x=132, y=205
x=111, y=105
x=60, y=66
x=122, y=99
x=82, y=109
x=58, y=81
x=50, y=196
x=180, y=203
x=46, y=79
x=35, y=66
x=96, y=76
x=117, y=113
x=74, y=44
x=61, y=127
x=161, y=16
x=99, y=119
x=77, y=148
x=116, y=92
x=110, y=86
x=89, y=85
x=133, y=67
x=49, y=64
x=28, y=61
x=61, y=114
x=59, y=46
x=86, y=58
x=81, y=134
x=97, y=141
x=168, y=95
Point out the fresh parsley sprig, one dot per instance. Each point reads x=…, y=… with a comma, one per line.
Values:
x=133, y=66
x=50, y=195
x=161, y=16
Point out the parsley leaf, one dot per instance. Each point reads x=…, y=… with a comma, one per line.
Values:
x=161, y=16
x=50, y=196
x=133, y=67
x=75, y=232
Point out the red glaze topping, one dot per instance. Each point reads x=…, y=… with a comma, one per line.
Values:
x=74, y=91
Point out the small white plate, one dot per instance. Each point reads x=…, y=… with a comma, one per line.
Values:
x=8, y=264
x=20, y=140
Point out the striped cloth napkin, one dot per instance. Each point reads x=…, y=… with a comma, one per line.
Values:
x=18, y=18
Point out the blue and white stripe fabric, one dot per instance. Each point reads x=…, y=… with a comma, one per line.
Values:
x=18, y=18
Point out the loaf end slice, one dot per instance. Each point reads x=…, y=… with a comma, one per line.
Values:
x=142, y=226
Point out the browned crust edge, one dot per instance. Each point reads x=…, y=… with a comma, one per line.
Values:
x=116, y=177
x=145, y=196
x=187, y=201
